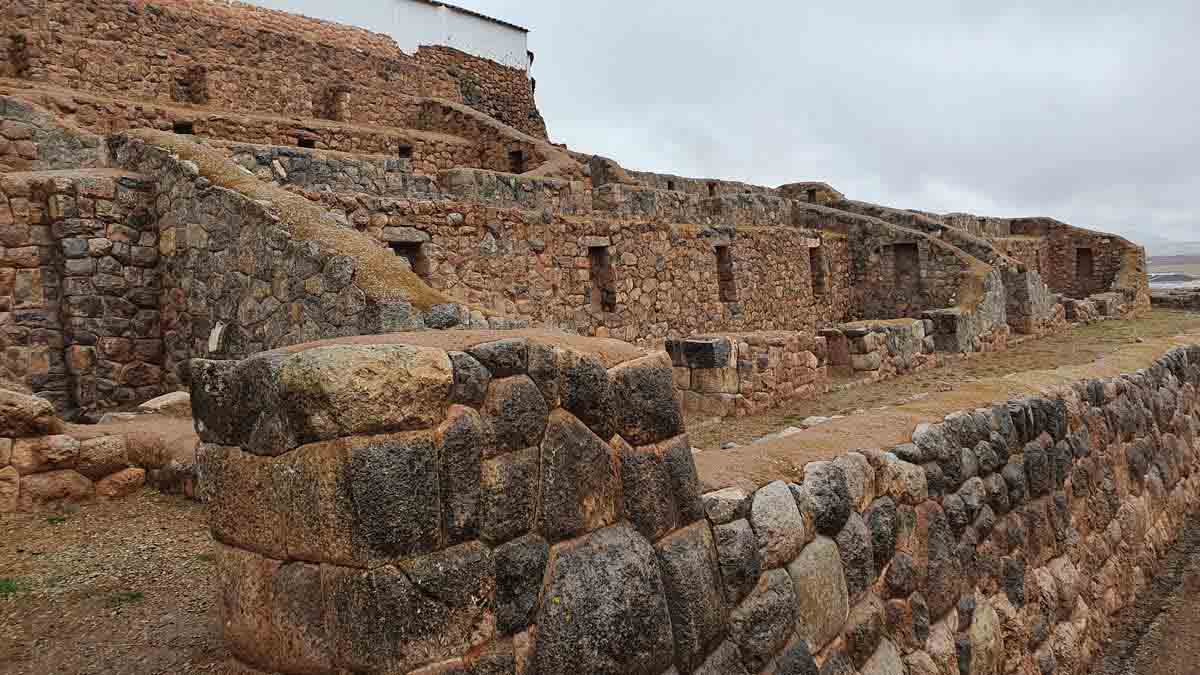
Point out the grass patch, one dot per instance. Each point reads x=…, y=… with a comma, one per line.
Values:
x=57, y=520
x=10, y=587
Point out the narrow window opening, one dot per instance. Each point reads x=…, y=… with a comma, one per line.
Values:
x=712, y=189
x=184, y=128
x=816, y=265
x=414, y=253
x=907, y=262
x=307, y=142
x=18, y=56
x=812, y=195
x=726, y=280
x=516, y=161
x=671, y=185
x=1085, y=268
x=337, y=103
x=406, y=152
x=191, y=86
x=604, y=286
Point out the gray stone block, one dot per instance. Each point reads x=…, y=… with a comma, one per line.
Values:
x=687, y=560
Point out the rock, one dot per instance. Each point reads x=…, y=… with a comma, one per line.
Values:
x=778, y=525
x=864, y=628
x=22, y=415
x=725, y=506
x=471, y=380
x=121, y=484
x=45, y=453
x=986, y=637
x=920, y=663
x=52, y=488
x=519, y=569
x=902, y=575
x=860, y=479
x=827, y=495
x=646, y=489
x=503, y=358
x=882, y=522
x=580, y=480
x=737, y=555
x=760, y=626
x=394, y=487
x=725, y=660
x=901, y=481
x=886, y=661
x=465, y=440
x=100, y=457
x=10, y=489
x=604, y=609
x=687, y=560
x=175, y=404
x=342, y=390
x=858, y=558
x=796, y=660
x=516, y=412
x=649, y=411
x=821, y=595
x=508, y=496
x=585, y=392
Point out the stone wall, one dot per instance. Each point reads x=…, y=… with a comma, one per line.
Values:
x=41, y=467
x=743, y=374
x=240, y=272
x=34, y=140
x=80, y=287
x=385, y=505
x=483, y=519
x=1184, y=299
x=250, y=59
x=665, y=279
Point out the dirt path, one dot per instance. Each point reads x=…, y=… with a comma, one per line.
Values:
x=1073, y=347
x=118, y=587
x=1160, y=635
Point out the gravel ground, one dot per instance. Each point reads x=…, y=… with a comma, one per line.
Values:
x=117, y=587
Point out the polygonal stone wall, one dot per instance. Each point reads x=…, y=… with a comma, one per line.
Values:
x=530, y=504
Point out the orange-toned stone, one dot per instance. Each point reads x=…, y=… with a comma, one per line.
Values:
x=121, y=484
x=54, y=487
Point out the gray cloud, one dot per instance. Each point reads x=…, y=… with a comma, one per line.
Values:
x=1083, y=111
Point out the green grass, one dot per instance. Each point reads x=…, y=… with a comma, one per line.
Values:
x=56, y=520
x=10, y=587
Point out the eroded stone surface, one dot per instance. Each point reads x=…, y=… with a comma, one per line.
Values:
x=820, y=589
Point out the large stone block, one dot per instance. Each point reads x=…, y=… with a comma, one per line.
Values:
x=820, y=588
x=580, y=477
x=585, y=392
x=245, y=587
x=648, y=411
x=22, y=415
x=508, y=496
x=299, y=639
x=516, y=412
x=10, y=489
x=646, y=489
x=100, y=457
x=343, y=390
x=520, y=566
x=381, y=621
x=44, y=453
x=247, y=509
x=604, y=609
x=320, y=520
x=395, y=490
x=687, y=560
x=54, y=488
x=760, y=626
x=737, y=553
x=465, y=441
x=778, y=525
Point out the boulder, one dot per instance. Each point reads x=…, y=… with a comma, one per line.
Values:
x=821, y=595
x=24, y=415
x=121, y=484
x=53, y=488
x=175, y=404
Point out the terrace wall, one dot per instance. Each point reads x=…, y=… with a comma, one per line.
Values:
x=1005, y=539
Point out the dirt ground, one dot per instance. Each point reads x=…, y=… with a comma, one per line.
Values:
x=118, y=587
x=1077, y=346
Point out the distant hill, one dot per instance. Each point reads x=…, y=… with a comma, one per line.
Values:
x=1157, y=246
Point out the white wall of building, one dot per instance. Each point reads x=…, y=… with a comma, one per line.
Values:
x=413, y=23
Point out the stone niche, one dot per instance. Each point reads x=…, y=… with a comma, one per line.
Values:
x=420, y=502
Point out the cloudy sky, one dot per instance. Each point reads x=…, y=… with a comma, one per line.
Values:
x=1042, y=108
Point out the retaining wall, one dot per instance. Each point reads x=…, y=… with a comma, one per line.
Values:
x=386, y=508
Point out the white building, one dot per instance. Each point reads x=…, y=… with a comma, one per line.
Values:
x=413, y=23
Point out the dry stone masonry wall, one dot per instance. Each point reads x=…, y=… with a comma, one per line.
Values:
x=383, y=506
